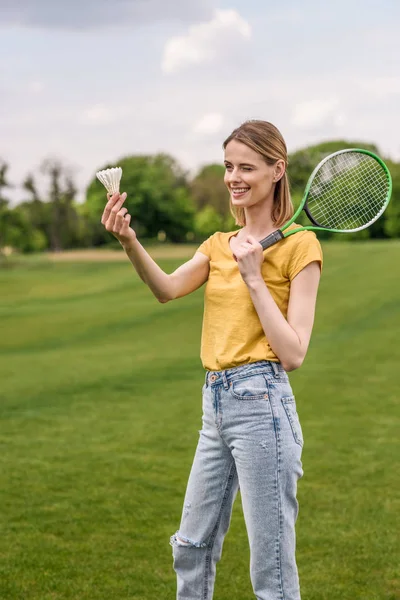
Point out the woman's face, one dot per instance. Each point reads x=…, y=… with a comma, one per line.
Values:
x=247, y=176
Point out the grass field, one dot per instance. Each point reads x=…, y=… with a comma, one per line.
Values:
x=99, y=419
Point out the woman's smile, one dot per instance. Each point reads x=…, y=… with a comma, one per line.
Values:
x=239, y=192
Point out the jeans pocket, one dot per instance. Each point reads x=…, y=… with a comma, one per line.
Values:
x=253, y=387
x=289, y=404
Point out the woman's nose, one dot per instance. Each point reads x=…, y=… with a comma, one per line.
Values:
x=233, y=176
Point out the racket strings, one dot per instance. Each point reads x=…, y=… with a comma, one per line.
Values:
x=349, y=202
x=348, y=191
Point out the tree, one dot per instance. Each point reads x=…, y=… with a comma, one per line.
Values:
x=207, y=221
x=21, y=234
x=208, y=189
x=53, y=169
x=4, y=211
x=158, y=197
x=37, y=212
x=70, y=218
x=64, y=218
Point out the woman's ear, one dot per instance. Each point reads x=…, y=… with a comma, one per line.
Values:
x=279, y=170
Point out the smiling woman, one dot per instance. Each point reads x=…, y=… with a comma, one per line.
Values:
x=258, y=318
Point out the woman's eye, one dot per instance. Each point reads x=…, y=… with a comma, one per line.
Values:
x=230, y=168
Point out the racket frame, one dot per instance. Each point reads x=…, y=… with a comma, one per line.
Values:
x=279, y=234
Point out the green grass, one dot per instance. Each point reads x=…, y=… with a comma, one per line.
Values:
x=99, y=419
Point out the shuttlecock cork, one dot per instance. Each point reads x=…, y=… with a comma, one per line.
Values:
x=110, y=178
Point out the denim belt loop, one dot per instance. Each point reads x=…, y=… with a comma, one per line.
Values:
x=225, y=381
x=275, y=369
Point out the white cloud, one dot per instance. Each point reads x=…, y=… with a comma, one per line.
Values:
x=204, y=42
x=209, y=124
x=314, y=113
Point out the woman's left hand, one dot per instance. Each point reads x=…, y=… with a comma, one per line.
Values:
x=249, y=256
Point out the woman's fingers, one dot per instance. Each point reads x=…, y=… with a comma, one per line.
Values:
x=244, y=249
x=251, y=239
x=111, y=204
x=119, y=220
x=116, y=219
x=125, y=224
x=112, y=209
x=122, y=212
x=107, y=209
x=249, y=246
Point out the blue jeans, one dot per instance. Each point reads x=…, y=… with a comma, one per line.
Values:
x=251, y=439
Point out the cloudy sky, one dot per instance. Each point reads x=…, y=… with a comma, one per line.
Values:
x=90, y=81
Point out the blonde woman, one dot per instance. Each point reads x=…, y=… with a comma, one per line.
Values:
x=258, y=318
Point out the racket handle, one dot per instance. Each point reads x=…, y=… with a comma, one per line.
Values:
x=271, y=239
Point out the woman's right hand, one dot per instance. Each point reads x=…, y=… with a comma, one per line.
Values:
x=116, y=219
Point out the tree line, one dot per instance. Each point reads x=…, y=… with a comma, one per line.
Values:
x=165, y=203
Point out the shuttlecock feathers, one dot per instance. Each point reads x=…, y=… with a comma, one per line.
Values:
x=110, y=178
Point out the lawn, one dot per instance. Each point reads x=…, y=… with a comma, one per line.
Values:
x=99, y=418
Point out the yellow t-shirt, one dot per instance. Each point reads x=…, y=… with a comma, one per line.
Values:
x=232, y=333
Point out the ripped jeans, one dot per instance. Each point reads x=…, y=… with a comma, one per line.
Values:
x=251, y=439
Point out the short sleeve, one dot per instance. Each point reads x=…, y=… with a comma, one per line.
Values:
x=306, y=250
x=205, y=247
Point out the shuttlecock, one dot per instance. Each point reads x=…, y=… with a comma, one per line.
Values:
x=110, y=178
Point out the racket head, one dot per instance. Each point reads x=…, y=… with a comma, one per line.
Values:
x=347, y=191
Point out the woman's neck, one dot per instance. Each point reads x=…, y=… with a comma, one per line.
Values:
x=259, y=222
x=258, y=230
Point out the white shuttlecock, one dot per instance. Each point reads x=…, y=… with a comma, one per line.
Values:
x=110, y=178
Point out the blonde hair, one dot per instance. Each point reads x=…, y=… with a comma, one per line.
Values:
x=266, y=140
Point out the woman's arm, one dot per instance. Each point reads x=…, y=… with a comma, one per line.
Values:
x=184, y=280
x=289, y=339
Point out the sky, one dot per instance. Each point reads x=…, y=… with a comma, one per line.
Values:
x=91, y=81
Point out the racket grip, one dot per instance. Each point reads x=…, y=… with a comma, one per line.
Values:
x=271, y=239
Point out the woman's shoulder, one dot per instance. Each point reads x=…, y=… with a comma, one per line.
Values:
x=300, y=239
x=305, y=234
x=300, y=249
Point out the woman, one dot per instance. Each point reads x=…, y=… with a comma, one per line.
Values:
x=258, y=318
